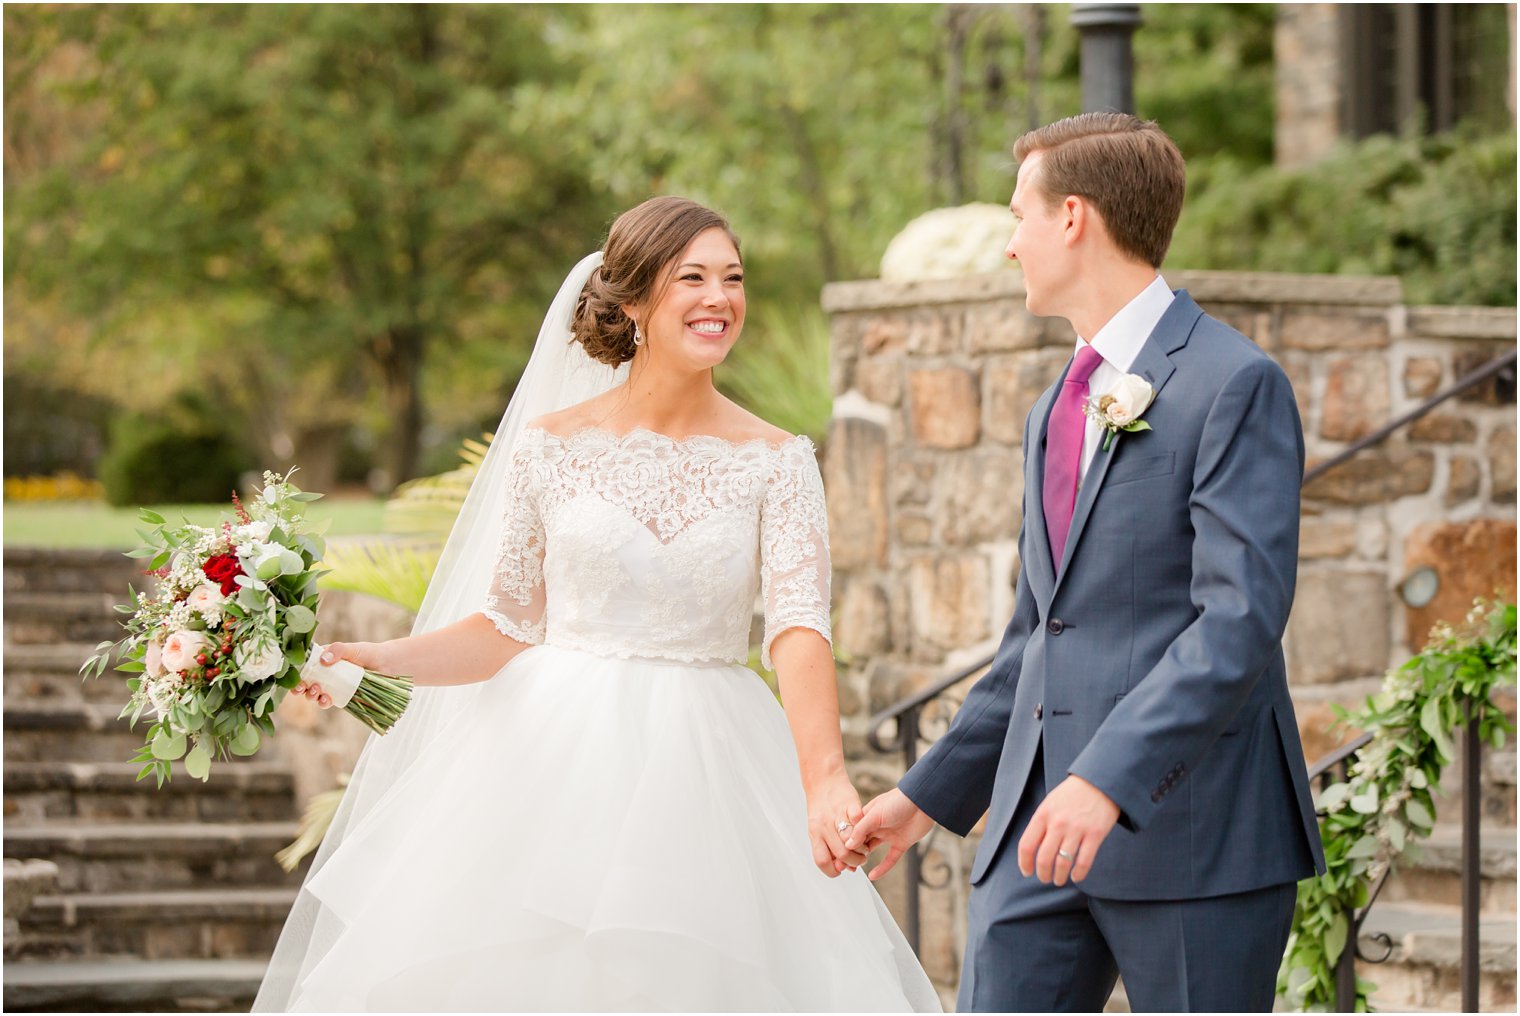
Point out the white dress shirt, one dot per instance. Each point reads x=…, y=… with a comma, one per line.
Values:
x=1119, y=342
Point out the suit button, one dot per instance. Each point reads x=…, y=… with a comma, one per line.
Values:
x=1039, y=711
x=1056, y=626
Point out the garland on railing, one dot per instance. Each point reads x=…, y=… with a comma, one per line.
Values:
x=1368, y=822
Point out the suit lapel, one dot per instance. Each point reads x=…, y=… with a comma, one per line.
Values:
x=1154, y=363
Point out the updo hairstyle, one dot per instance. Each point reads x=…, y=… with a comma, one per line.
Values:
x=643, y=242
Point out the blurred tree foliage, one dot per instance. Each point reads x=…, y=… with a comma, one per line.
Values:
x=337, y=221
x=1439, y=211
x=288, y=207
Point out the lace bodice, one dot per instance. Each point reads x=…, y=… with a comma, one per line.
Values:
x=642, y=545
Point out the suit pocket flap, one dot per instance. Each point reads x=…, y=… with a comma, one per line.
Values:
x=1141, y=468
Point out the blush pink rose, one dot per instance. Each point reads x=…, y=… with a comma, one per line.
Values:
x=181, y=648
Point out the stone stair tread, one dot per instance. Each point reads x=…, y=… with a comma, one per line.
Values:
x=48, y=655
x=1430, y=934
x=47, y=601
x=177, y=905
x=54, y=714
x=129, y=980
x=117, y=839
x=22, y=777
x=1442, y=850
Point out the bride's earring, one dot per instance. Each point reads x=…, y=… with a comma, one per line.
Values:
x=638, y=336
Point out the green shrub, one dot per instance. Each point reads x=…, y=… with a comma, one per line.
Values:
x=1437, y=211
x=150, y=461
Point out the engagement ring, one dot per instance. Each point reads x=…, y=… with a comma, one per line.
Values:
x=1062, y=853
x=843, y=827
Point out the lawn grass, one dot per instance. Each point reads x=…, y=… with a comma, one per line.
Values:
x=97, y=524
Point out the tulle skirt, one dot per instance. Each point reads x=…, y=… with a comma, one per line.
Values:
x=603, y=835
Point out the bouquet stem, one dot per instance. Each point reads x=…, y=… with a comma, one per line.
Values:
x=380, y=700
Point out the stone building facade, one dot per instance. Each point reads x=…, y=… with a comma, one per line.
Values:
x=923, y=467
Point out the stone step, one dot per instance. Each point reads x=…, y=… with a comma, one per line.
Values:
x=1424, y=969
x=45, y=618
x=246, y=791
x=48, y=570
x=186, y=924
x=133, y=986
x=1496, y=800
x=70, y=731
x=134, y=857
x=35, y=672
x=1432, y=872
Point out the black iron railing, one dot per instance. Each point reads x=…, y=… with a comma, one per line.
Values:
x=905, y=720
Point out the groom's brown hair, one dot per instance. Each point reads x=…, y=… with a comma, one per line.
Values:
x=1128, y=168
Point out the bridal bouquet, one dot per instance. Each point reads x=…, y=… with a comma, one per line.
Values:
x=228, y=633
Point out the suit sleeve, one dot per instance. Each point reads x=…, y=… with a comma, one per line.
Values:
x=1244, y=511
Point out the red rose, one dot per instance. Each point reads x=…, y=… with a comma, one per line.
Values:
x=223, y=568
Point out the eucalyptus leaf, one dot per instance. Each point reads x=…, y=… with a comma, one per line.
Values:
x=300, y=619
x=198, y=763
x=168, y=746
x=246, y=741
x=1418, y=814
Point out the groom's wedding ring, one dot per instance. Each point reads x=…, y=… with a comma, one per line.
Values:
x=1064, y=854
x=843, y=826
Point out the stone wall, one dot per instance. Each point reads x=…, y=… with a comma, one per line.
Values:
x=1307, y=85
x=923, y=467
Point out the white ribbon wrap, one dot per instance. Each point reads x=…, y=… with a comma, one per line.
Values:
x=339, y=680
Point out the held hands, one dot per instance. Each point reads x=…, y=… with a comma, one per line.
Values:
x=1064, y=834
x=893, y=820
x=360, y=653
x=832, y=800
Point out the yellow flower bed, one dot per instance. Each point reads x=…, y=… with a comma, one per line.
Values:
x=59, y=487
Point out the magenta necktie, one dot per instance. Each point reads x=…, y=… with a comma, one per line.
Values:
x=1063, y=450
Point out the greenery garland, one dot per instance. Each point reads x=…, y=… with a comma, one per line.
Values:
x=1370, y=820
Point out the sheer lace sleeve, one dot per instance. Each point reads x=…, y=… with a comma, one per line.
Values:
x=794, y=547
x=515, y=601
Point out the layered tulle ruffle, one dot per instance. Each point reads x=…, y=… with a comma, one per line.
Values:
x=602, y=835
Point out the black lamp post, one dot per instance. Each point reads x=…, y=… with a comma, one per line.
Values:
x=1108, y=63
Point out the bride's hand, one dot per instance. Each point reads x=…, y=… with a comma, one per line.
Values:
x=832, y=800
x=359, y=653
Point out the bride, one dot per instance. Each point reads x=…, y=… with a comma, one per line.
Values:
x=609, y=811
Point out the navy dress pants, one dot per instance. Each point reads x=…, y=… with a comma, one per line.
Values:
x=1033, y=947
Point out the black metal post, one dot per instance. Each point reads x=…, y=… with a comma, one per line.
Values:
x=1345, y=964
x=1472, y=856
x=913, y=863
x=1108, y=61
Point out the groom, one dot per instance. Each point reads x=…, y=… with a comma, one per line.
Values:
x=1133, y=745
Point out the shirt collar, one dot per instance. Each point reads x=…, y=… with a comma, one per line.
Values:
x=1119, y=341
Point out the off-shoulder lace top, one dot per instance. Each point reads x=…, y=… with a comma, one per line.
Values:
x=643, y=545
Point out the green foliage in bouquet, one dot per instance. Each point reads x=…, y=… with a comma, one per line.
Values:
x=1368, y=822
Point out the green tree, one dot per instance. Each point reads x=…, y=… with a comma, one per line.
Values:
x=288, y=207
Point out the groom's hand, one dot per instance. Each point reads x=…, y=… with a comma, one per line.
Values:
x=1063, y=837
x=893, y=820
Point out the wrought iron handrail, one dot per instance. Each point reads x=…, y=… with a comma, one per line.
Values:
x=905, y=739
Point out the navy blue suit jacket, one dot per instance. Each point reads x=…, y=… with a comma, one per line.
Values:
x=1150, y=661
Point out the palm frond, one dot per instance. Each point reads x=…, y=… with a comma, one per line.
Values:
x=314, y=824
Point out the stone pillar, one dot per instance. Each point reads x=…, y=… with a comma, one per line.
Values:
x=1309, y=89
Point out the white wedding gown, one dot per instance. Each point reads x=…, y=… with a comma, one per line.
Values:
x=620, y=825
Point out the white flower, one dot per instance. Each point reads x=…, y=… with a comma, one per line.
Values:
x=163, y=692
x=258, y=660
x=1131, y=395
x=181, y=648
x=207, y=599
x=258, y=530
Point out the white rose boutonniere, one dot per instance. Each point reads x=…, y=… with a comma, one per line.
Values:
x=1121, y=407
